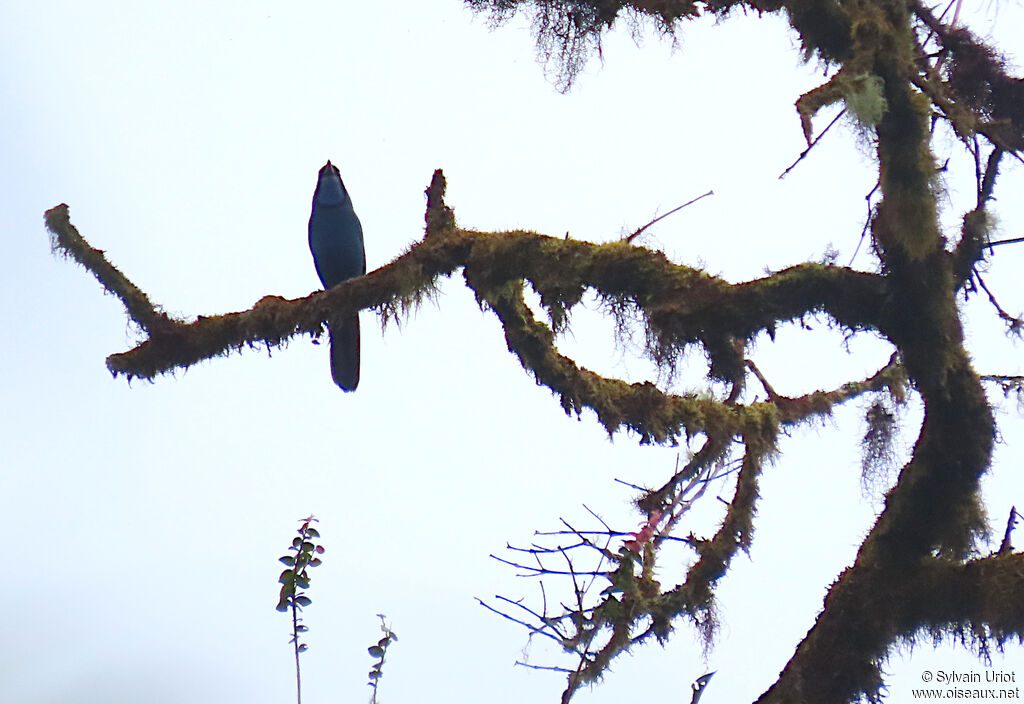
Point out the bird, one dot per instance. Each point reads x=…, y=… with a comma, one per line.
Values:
x=336, y=243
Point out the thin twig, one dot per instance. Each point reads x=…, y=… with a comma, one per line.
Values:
x=1012, y=240
x=867, y=222
x=607, y=527
x=535, y=549
x=575, y=585
x=538, y=571
x=805, y=152
x=662, y=217
x=609, y=532
x=632, y=486
x=543, y=602
x=1013, y=322
x=551, y=668
x=529, y=626
x=548, y=622
x=600, y=563
x=603, y=551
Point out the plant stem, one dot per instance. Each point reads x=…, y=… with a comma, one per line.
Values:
x=295, y=642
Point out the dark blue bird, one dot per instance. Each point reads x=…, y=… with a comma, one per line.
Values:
x=336, y=241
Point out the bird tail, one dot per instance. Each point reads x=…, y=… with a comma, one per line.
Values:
x=345, y=353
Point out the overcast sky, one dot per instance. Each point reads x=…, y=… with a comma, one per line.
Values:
x=142, y=522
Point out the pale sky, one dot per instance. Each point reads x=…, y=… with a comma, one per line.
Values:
x=142, y=522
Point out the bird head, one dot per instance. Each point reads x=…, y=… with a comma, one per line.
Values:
x=329, y=188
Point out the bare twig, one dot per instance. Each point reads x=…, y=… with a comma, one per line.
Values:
x=604, y=551
x=601, y=520
x=867, y=221
x=640, y=229
x=538, y=571
x=632, y=486
x=611, y=533
x=529, y=626
x=550, y=668
x=1014, y=323
x=805, y=152
x=1012, y=240
x=535, y=549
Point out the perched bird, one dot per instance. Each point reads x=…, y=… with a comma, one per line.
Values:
x=336, y=241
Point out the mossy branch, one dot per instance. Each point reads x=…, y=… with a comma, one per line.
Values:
x=869, y=609
x=65, y=239
x=684, y=306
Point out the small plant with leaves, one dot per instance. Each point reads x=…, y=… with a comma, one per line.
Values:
x=293, y=581
x=378, y=652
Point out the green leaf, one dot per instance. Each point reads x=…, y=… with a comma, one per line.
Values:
x=303, y=600
x=287, y=559
x=376, y=651
x=312, y=532
x=282, y=603
x=296, y=542
x=375, y=675
x=303, y=648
